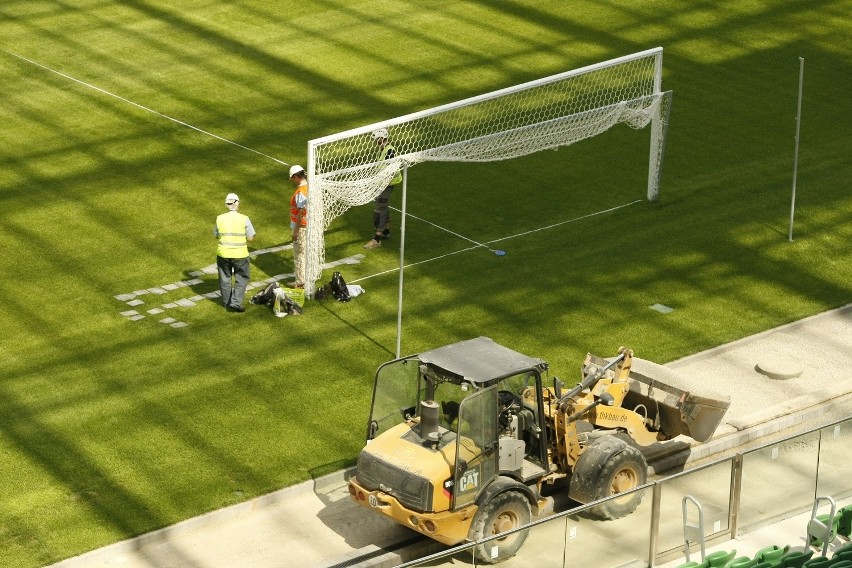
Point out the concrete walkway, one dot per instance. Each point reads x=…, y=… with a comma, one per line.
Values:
x=795, y=374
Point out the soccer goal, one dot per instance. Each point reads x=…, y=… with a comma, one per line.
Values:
x=344, y=171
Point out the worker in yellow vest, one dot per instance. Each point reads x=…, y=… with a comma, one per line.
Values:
x=381, y=212
x=233, y=230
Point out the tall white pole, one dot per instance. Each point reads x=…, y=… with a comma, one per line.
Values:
x=401, y=263
x=656, y=132
x=315, y=204
x=796, y=154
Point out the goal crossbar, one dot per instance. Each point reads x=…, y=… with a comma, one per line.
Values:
x=654, y=52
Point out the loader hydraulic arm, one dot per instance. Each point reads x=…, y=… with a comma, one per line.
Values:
x=588, y=382
x=605, y=398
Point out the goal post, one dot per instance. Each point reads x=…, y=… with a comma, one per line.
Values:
x=345, y=169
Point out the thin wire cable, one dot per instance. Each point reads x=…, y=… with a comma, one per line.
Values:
x=478, y=245
x=611, y=209
x=143, y=107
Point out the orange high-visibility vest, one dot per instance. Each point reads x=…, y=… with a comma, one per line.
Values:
x=297, y=215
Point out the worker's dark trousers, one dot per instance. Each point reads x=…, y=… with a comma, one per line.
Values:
x=233, y=279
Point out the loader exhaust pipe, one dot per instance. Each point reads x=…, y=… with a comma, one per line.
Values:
x=429, y=416
x=429, y=420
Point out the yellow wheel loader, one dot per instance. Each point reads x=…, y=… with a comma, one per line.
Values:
x=461, y=439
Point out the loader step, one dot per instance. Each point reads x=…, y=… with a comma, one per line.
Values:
x=531, y=471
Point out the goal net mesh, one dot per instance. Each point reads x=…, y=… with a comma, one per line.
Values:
x=346, y=169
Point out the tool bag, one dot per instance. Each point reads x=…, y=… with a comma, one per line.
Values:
x=338, y=288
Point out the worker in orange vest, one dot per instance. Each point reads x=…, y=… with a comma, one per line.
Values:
x=298, y=222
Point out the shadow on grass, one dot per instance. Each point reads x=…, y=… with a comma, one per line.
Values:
x=325, y=306
x=558, y=292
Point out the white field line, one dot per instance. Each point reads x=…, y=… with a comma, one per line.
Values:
x=478, y=245
x=587, y=216
x=148, y=109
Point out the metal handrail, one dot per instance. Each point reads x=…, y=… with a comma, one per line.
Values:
x=735, y=483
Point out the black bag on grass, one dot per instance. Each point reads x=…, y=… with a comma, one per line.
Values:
x=323, y=293
x=285, y=305
x=265, y=297
x=338, y=288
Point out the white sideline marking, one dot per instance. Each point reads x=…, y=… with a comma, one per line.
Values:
x=132, y=298
x=478, y=245
x=167, y=117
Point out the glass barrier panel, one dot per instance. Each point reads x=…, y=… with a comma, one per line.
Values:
x=835, y=462
x=710, y=487
x=624, y=542
x=778, y=481
x=571, y=540
x=544, y=547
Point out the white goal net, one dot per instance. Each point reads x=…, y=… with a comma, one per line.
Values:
x=344, y=170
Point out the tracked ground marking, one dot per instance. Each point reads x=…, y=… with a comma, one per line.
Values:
x=150, y=296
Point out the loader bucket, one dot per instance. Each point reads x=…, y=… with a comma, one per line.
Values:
x=676, y=404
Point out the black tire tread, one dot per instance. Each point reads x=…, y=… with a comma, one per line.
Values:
x=482, y=522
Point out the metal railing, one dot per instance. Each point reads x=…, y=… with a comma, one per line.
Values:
x=737, y=495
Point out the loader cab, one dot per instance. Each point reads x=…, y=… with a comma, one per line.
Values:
x=475, y=404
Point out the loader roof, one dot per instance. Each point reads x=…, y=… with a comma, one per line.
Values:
x=481, y=360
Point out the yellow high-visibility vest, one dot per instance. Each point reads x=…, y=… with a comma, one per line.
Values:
x=383, y=155
x=232, y=235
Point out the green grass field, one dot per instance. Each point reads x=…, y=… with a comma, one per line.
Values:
x=110, y=428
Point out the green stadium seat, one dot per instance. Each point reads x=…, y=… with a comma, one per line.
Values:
x=764, y=565
x=741, y=562
x=795, y=558
x=817, y=562
x=719, y=558
x=844, y=548
x=814, y=530
x=690, y=564
x=840, y=564
x=842, y=554
x=771, y=554
x=765, y=549
x=844, y=524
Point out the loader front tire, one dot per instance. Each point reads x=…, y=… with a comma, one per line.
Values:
x=608, y=467
x=506, y=511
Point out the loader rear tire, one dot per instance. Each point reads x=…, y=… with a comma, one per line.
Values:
x=506, y=511
x=608, y=467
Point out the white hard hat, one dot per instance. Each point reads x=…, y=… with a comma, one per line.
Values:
x=231, y=198
x=295, y=170
x=380, y=133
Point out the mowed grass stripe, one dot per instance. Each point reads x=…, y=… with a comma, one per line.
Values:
x=111, y=428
